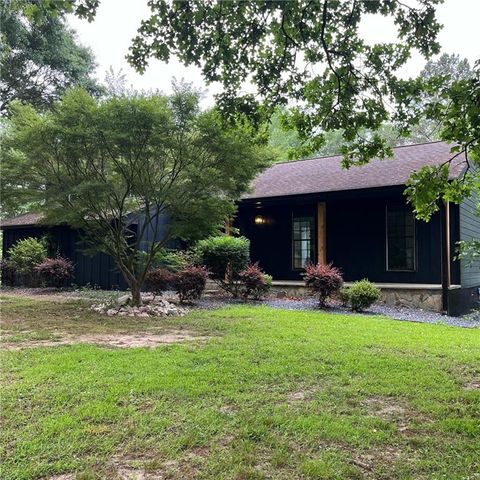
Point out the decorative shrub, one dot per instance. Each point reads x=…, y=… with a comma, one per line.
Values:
x=55, y=271
x=27, y=253
x=225, y=257
x=159, y=280
x=323, y=280
x=173, y=260
x=361, y=295
x=7, y=271
x=190, y=282
x=255, y=283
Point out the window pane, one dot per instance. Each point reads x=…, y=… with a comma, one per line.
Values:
x=303, y=241
x=400, y=238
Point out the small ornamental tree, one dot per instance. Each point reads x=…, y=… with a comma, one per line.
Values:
x=115, y=167
x=225, y=257
x=323, y=280
x=55, y=271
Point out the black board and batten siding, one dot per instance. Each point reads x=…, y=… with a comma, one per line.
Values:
x=470, y=230
x=97, y=270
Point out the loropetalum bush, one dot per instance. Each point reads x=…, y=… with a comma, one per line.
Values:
x=55, y=271
x=159, y=280
x=323, y=280
x=27, y=253
x=225, y=257
x=360, y=295
x=255, y=283
x=190, y=282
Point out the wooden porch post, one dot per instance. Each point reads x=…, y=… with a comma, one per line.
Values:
x=446, y=276
x=321, y=233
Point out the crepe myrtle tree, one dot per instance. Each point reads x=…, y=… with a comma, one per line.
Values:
x=111, y=168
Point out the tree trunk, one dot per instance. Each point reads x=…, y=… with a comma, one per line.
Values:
x=136, y=296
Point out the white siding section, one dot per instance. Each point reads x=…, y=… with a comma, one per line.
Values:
x=469, y=230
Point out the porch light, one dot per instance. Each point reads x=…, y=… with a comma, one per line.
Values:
x=260, y=220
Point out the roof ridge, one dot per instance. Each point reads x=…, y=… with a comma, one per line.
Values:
x=339, y=155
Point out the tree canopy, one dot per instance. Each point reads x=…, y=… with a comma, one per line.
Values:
x=104, y=166
x=449, y=67
x=40, y=56
x=308, y=53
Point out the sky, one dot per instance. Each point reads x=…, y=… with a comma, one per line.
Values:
x=116, y=23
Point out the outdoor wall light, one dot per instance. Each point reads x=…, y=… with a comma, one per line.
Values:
x=260, y=220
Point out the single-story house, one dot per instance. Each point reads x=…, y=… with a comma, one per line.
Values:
x=313, y=210
x=96, y=270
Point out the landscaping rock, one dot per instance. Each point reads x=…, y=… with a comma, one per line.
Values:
x=152, y=307
x=123, y=300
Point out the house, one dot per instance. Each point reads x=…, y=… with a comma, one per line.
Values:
x=358, y=219
x=315, y=211
x=96, y=270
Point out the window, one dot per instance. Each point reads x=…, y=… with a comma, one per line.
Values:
x=303, y=241
x=400, y=238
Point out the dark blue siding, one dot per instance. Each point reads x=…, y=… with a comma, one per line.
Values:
x=95, y=270
x=355, y=236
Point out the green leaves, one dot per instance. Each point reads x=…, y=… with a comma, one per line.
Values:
x=115, y=168
x=310, y=55
x=40, y=58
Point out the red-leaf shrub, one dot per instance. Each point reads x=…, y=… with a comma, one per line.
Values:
x=323, y=280
x=55, y=271
x=256, y=283
x=190, y=282
x=159, y=280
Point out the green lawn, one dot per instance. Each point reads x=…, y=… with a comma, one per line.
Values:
x=272, y=394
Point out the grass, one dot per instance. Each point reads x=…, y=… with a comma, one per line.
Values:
x=272, y=394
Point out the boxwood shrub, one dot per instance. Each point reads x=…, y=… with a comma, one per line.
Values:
x=360, y=295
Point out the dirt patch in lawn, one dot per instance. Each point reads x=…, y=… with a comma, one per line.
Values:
x=385, y=407
x=136, y=340
x=50, y=295
x=151, y=469
x=377, y=460
x=407, y=420
x=303, y=395
x=473, y=384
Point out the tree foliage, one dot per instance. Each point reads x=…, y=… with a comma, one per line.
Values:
x=450, y=68
x=310, y=53
x=113, y=168
x=40, y=56
x=458, y=115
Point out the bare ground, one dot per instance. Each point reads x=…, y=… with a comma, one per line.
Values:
x=115, y=340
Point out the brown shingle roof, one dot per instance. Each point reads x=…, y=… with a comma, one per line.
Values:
x=326, y=174
x=25, y=220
